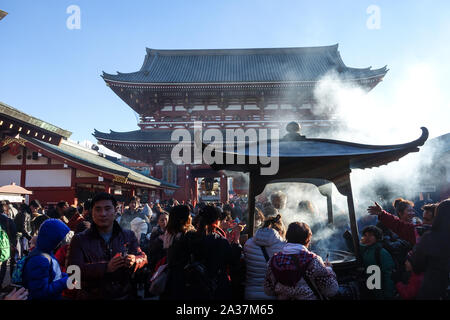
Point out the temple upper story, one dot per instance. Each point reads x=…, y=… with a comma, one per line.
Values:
x=233, y=87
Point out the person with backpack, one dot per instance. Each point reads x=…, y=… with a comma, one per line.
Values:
x=213, y=270
x=257, y=251
x=373, y=253
x=296, y=273
x=41, y=273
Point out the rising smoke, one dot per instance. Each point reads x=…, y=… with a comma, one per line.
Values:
x=374, y=118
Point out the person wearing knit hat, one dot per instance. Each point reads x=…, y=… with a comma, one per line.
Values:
x=42, y=275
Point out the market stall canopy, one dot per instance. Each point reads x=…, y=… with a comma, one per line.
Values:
x=14, y=189
x=13, y=193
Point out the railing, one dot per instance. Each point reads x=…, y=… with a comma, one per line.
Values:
x=235, y=123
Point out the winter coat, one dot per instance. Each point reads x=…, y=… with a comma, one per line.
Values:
x=23, y=224
x=178, y=255
x=409, y=291
x=9, y=227
x=285, y=276
x=256, y=263
x=432, y=257
x=92, y=254
x=155, y=248
x=368, y=254
x=222, y=262
x=216, y=254
x=405, y=230
x=43, y=278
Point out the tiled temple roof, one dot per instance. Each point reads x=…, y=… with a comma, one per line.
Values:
x=242, y=66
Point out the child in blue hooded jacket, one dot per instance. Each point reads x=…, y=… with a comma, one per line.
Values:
x=42, y=275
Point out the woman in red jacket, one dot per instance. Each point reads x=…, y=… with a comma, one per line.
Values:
x=402, y=225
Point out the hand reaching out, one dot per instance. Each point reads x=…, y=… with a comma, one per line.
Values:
x=375, y=210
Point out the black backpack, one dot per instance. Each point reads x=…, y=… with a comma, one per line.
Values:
x=198, y=279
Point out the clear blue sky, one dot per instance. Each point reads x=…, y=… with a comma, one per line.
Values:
x=53, y=73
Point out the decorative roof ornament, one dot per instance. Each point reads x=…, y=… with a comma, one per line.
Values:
x=293, y=129
x=3, y=14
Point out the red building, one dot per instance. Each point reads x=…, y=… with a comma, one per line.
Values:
x=225, y=89
x=39, y=157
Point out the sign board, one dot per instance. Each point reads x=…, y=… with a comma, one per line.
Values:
x=12, y=198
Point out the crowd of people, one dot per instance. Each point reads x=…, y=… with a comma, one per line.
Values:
x=184, y=251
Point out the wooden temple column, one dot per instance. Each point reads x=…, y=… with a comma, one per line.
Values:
x=194, y=191
x=23, y=170
x=330, y=209
x=107, y=187
x=223, y=188
x=188, y=184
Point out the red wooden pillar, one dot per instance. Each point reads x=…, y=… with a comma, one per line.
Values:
x=194, y=191
x=187, y=184
x=23, y=170
x=133, y=191
x=73, y=186
x=107, y=187
x=223, y=188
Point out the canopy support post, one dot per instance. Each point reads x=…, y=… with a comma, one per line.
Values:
x=352, y=216
x=326, y=190
x=330, y=209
